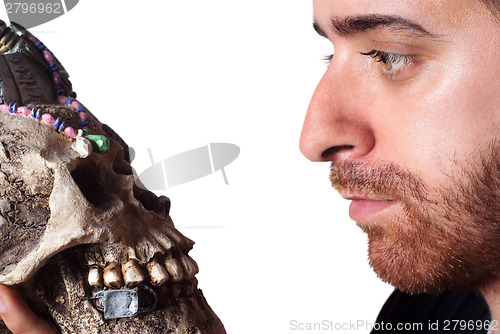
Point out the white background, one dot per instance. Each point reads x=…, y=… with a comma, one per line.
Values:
x=275, y=245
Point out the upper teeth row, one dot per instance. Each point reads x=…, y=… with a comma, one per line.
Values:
x=132, y=273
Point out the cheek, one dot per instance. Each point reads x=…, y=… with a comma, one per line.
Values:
x=439, y=121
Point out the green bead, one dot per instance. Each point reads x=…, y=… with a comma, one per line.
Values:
x=100, y=143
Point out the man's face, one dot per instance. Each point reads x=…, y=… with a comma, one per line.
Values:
x=408, y=112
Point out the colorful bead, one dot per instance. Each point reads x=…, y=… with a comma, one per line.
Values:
x=53, y=67
x=84, y=123
x=62, y=126
x=33, y=112
x=12, y=108
x=99, y=143
x=23, y=111
x=33, y=39
x=61, y=99
x=38, y=114
x=83, y=116
x=47, y=55
x=75, y=104
x=40, y=46
x=57, y=122
x=80, y=109
x=48, y=118
x=70, y=132
x=4, y=108
x=59, y=90
x=56, y=79
x=68, y=101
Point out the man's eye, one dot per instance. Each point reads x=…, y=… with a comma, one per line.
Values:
x=391, y=62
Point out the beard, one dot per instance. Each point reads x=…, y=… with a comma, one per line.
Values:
x=448, y=236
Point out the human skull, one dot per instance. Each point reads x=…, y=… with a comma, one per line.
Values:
x=63, y=205
x=55, y=199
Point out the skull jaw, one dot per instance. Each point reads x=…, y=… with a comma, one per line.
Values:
x=58, y=293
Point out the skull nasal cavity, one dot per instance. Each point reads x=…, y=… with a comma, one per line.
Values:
x=90, y=183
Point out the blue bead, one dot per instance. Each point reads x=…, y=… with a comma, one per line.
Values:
x=57, y=123
x=62, y=126
x=53, y=68
x=84, y=122
x=80, y=109
x=33, y=112
x=59, y=90
x=12, y=108
x=68, y=101
x=38, y=114
x=40, y=46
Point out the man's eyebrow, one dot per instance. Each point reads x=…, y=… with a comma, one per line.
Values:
x=352, y=25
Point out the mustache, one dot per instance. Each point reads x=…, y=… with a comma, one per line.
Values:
x=383, y=179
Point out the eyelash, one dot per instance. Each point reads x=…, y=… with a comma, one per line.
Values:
x=391, y=59
x=385, y=58
x=327, y=59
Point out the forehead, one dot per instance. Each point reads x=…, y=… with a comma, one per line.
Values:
x=444, y=16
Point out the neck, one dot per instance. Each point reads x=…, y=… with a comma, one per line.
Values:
x=492, y=296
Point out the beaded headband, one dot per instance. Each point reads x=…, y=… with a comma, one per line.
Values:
x=99, y=143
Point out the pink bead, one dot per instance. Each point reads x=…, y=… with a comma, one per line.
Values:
x=75, y=104
x=33, y=39
x=48, y=118
x=4, y=108
x=61, y=99
x=70, y=132
x=23, y=111
x=48, y=56
x=83, y=116
x=55, y=78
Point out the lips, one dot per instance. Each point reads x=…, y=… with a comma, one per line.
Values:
x=368, y=210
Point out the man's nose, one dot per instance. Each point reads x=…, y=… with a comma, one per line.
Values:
x=337, y=124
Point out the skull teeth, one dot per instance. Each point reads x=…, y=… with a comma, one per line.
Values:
x=132, y=273
x=190, y=267
x=95, y=277
x=113, y=276
x=174, y=269
x=180, y=272
x=157, y=273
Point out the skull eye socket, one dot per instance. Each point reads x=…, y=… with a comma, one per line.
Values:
x=88, y=179
x=94, y=177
